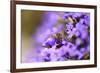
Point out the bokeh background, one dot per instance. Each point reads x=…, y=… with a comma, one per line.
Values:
x=30, y=20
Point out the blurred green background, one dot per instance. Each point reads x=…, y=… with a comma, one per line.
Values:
x=30, y=20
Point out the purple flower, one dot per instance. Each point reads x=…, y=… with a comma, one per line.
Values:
x=49, y=42
x=77, y=14
x=78, y=41
x=69, y=26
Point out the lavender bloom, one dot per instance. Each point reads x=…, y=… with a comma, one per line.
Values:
x=71, y=43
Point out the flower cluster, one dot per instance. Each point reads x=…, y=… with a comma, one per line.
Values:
x=69, y=40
